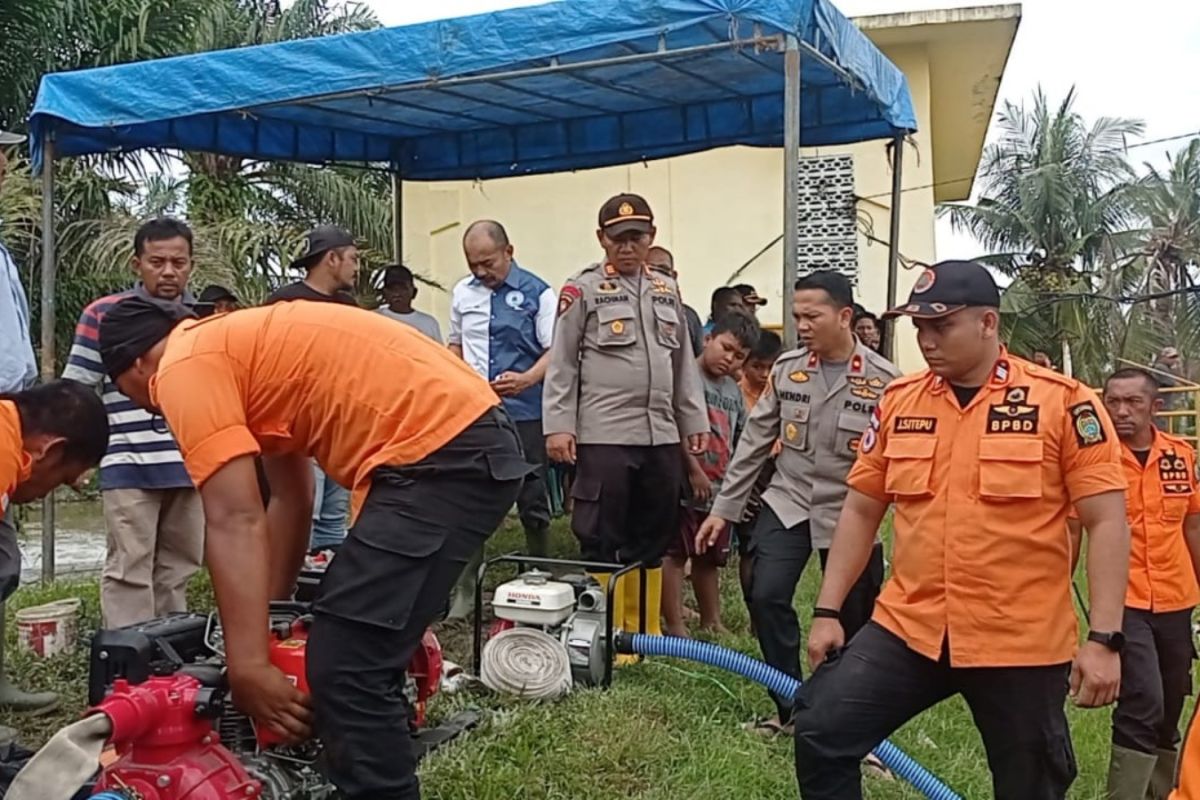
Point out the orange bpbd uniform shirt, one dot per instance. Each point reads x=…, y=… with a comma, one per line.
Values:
x=350, y=388
x=981, y=553
x=1160, y=495
x=15, y=463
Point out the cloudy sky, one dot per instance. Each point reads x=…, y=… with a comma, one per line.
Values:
x=1139, y=60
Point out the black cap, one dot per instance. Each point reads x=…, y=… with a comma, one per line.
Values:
x=214, y=294
x=626, y=212
x=750, y=295
x=322, y=239
x=948, y=287
x=397, y=275
x=132, y=327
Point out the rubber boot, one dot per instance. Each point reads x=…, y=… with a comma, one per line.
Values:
x=633, y=602
x=462, y=599
x=15, y=700
x=618, y=610
x=537, y=542
x=1129, y=773
x=1162, y=780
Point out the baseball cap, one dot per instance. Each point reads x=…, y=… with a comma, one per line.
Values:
x=132, y=327
x=322, y=239
x=8, y=137
x=750, y=295
x=624, y=213
x=949, y=287
x=213, y=294
x=397, y=275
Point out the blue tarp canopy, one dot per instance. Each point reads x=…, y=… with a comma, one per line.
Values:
x=562, y=86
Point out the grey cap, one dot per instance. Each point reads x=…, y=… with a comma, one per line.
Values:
x=8, y=137
x=322, y=239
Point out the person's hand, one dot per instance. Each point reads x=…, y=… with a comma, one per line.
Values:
x=777, y=448
x=265, y=694
x=508, y=384
x=701, y=486
x=560, y=448
x=710, y=530
x=825, y=636
x=1095, y=676
x=697, y=443
x=80, y=483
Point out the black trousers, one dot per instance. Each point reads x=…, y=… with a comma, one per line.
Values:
x=533, y=503
x=780, y=556
x=626, y=501
x=10, y=555
x=877, y=684
x=419, y=526
x=1156, y=677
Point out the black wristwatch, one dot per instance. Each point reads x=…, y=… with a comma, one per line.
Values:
x=1113, y=641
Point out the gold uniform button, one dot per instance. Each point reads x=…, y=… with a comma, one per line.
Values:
x=618, y=327
x=790, y=432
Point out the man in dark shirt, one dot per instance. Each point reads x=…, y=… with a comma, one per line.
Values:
x=330, y=266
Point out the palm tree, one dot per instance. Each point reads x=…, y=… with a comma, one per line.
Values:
x=249, y=217
x=1170, y=202
x=1057, y=214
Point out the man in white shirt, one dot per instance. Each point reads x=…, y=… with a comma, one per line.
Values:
x=501, y=323
x=399, y=291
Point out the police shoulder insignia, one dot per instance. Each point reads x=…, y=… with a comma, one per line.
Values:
x=799, y=376
x=567, y=297
x=1086, y=422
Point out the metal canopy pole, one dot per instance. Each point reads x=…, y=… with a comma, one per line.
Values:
x=397, y=218
x=889, y=344
x=48, y=320
x=791, y=184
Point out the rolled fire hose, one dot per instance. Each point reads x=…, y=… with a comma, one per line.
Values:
x=65, y=763
x=526, y=662
x=783, y=684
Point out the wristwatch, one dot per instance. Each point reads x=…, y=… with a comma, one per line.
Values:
x=1113, y=641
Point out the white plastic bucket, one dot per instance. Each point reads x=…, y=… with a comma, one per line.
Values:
x=49, y=629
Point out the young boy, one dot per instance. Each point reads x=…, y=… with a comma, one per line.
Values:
x=753, y=383
x=726, y=347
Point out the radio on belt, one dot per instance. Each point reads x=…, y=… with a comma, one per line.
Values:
x=534, y=599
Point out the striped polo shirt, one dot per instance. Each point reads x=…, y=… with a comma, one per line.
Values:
x=142, y=453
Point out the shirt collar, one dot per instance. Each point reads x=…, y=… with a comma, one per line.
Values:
x=856, y=365
x=508, y=281
x=1002, y=374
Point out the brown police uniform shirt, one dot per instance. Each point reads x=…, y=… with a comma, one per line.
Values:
x=621, y=365
x=981, y=494
x=820, y=427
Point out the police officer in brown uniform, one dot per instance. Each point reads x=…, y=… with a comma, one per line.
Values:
x=621, y=391
x=818, y=402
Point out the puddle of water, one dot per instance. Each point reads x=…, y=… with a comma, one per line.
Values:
x=79, y=540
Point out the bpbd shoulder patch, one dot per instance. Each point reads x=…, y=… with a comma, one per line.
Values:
x=1086, y=424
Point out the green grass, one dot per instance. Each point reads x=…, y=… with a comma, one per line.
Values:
x=666, y=729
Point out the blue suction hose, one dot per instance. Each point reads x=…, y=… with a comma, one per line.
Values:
x=781, y=683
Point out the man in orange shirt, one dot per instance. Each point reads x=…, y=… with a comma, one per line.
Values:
x=433, y=464
x=1163, y=505
x=982, y=455
x=50, y=436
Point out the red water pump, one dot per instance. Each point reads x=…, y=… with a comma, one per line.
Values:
x=178, y=738
x=167, y=746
